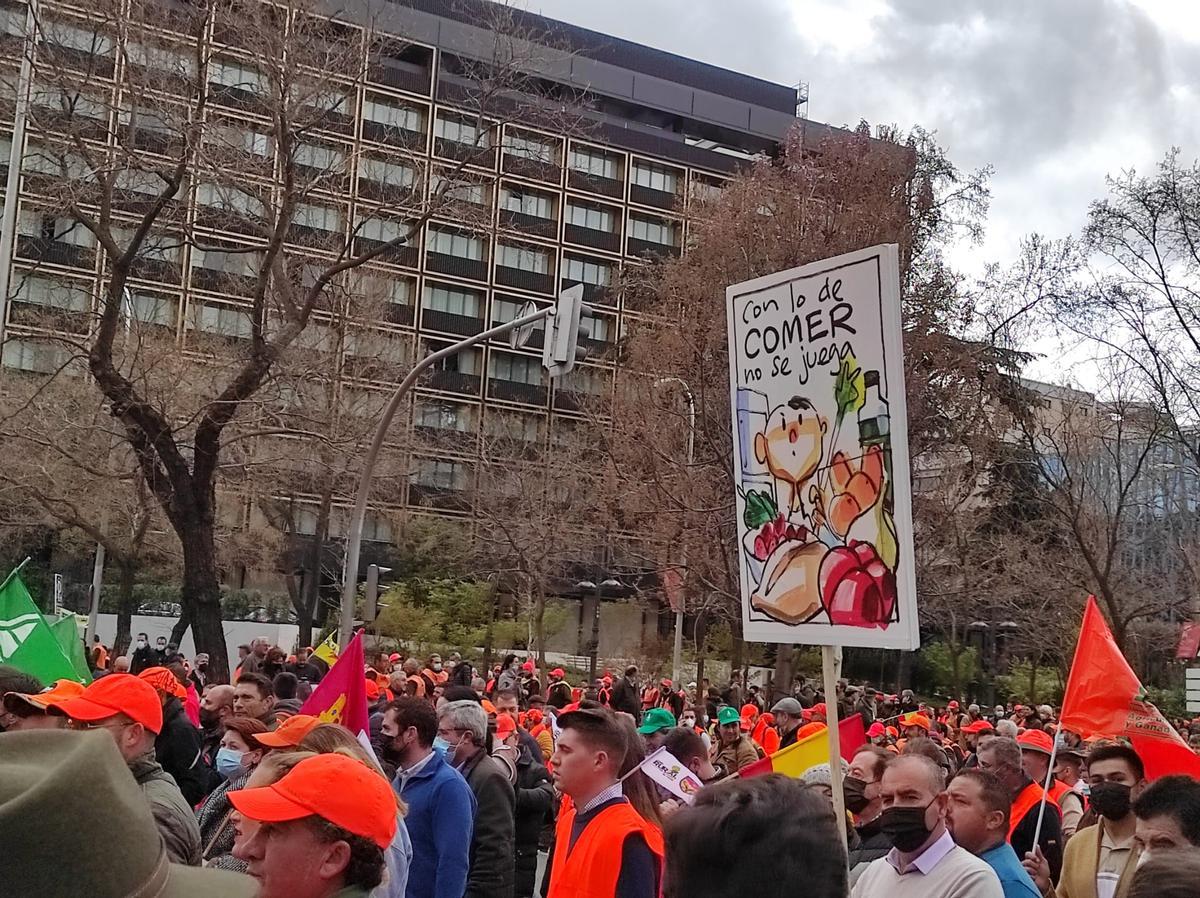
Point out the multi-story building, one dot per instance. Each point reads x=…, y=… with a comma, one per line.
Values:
x=656, y=131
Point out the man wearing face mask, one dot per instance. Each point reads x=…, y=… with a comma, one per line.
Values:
x=924, y=862
x=143, y=655
x=860, y=787
x=441, y=806
x=463, y=724
x=1100, y=860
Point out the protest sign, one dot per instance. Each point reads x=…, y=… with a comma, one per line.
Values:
x=667, y=770
x=820, y=459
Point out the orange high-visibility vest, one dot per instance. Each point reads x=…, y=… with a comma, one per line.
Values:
x=1026, y=799
x=591, y=867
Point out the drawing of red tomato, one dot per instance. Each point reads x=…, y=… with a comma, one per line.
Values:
x=857, y=588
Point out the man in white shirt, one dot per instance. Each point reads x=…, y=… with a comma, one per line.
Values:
x=924, y=862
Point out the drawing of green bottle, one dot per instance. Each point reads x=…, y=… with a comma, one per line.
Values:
x=874, y=429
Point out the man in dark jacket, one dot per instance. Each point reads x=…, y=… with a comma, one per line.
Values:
x=625, y=696
x=535, y=795
x=143, y=656
x=177, y=747
x=463, y=724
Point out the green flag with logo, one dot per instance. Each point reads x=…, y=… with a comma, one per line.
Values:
x=26, y=640
x=66, y=631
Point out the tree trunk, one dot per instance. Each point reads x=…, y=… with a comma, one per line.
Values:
x=126, y=605
x=785, y=669
x=181, y=627
x=539, y=625
x=1033, y=671
x=701, y=635
x=201, y=599
x=955, y=669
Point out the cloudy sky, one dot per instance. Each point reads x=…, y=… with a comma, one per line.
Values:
x=1053, y=93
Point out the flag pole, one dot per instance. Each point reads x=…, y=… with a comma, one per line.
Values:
x=15, y=571
x=1037, y=832
x=831, y=664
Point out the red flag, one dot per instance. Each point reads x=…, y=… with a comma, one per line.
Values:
x=672, y=584
x=1105, y=699
x=1189, y=640
x=341, y=696
x=811, y=750
x=852, y=736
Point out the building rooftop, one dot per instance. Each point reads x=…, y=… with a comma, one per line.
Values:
x=626, y=54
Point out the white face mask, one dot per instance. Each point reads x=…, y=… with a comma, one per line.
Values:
x=688, y=722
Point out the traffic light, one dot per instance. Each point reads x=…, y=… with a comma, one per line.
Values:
x=561, y=349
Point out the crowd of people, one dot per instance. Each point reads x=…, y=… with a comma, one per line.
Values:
x=507, y=783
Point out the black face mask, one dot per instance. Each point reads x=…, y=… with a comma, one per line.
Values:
x=854, y=791
x=905, y=827
x=209, y=719
x=1111, y=800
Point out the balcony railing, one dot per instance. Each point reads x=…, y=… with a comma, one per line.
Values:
x=529, y=224
x=475, y=269
x=513, y=391
x=648, y=247
x=390, y=134
x=450, y=323
x=408, y=78
x=534, y=169
x=55, y=252
x=395, y=255
x=438, y=497
x=222, y=282
x=648, y=196
x=455, y=382
x=465, y=152
x=606, y=240
x=612, y=187
x=524, y=280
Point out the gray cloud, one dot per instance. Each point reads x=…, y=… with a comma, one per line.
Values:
x=1054, y=94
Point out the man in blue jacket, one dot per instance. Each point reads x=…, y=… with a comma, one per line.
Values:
x=441, y=806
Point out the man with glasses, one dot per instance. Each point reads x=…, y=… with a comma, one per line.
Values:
x=130, y=710
x=1001, y=756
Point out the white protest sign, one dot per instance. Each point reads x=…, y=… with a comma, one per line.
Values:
x=666, y=770
x=820, y=454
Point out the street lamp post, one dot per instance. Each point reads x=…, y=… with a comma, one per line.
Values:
x=677, y=651
x=585, y=587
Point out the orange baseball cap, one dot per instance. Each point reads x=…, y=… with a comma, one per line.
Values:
x=488, y=706
x=54, y=695
x=290, y=732
x=978, y=726
x=164, y=681
x=505, y=726
x=819, y=708
x=118, y=693
x=1036, y=740
x=372, y=690
x=333, y=787
x=915, y=720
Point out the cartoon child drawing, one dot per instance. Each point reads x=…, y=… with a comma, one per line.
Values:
x=791, y=446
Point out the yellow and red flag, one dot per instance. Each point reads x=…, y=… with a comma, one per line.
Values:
x=341, y=696
x=810, y=751
x=1105, y=700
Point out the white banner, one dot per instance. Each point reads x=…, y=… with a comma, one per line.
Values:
x=667, y=770
x=820, y=463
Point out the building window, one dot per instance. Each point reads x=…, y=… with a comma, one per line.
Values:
x=586, y=271
x=652, y=230
x=441, y=475
x=389, y=174
x=65, y=296
x=513, y=426
x=68, y=103
x=151, y=309
x=393, y=115
x=529, y=148
x=452, y=301
x=594, y=217
x=445, y=416
x=83, y=40
x=465, y=361
x=598, y=327
x=382, y=230
x=596, y=163
x=376, y=527
x=150, y=56
x=244, y=264
x=236, y=75
x=527, y=203
x=457, y=189
x=455, y=243
x=136, y=180
x=592, y=381
x=522, y=258
x=246, y=140
x=393, y=291
x=221, y=321
x=505, y=310
x=56, y=229
x=521, y=369
x=655, y=177
x=33, y=355
x=228, y=198
x=320, y=218
x=460, y=130
x=323, y=158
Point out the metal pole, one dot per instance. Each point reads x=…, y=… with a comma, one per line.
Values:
x=354, y=539
x=677, y=652
x=831, y=667
x=12, y=185
x=94, y=601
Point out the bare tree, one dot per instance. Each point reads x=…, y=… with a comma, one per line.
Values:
x=219, y=145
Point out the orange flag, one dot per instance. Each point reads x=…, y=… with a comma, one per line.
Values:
x=1105, y=699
